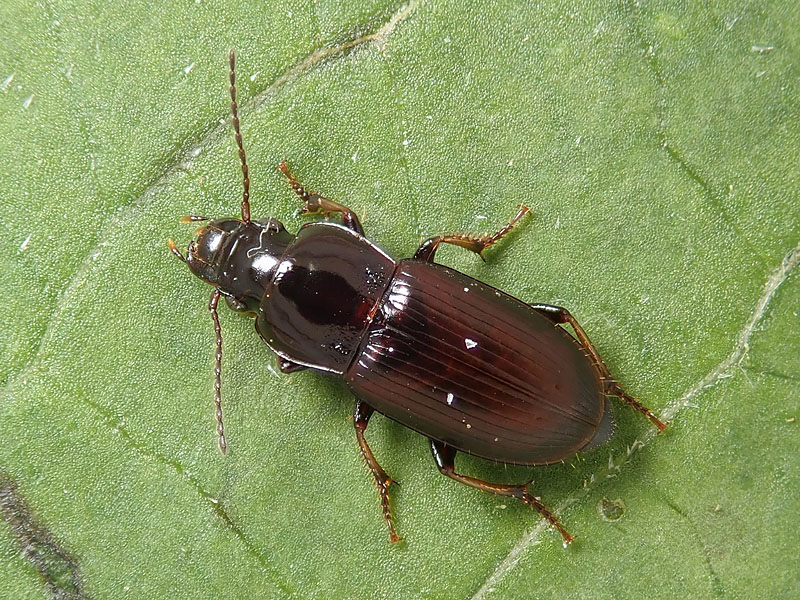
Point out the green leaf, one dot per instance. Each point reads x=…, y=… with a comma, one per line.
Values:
x=656, y=144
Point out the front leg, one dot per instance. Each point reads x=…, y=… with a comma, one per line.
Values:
x=318, y=204
x=362, y=413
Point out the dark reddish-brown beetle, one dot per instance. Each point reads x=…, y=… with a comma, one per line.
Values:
x=464, y=364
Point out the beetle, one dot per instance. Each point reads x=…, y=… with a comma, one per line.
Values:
x=466, y=365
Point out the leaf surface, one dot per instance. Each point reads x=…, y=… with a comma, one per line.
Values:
x=656, y=146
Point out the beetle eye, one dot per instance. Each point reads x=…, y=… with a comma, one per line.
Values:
x=274, y=225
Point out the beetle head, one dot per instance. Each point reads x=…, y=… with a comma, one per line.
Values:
x=236, y=257
x=204, y=254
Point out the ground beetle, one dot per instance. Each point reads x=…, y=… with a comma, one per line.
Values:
x=464, y=364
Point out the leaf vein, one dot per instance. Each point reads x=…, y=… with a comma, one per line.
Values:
x=114, y=423
x=187, y=156
x=734, y=359
x=713, y=199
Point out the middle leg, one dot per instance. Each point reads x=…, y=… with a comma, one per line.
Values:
x=362, y=413
x=445, y=457
x=474, y=243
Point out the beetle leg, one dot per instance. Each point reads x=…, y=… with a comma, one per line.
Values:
x=445, y=457
x=562, y=316
x=362, y=413
x=287, y=366
x=474, y=243
x=318, y=204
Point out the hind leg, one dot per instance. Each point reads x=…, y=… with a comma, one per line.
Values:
x=445, y=457
x=562, y=316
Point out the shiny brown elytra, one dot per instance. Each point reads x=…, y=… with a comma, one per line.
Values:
x=464, y=364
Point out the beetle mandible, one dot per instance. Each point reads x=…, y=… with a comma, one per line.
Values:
x=469, y=367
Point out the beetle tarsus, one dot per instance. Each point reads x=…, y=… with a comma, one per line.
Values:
x=615, y=389
x=534, y=502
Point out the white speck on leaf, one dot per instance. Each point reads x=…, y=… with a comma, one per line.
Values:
x=188, y=68
x=27, y=101
x=7, y=82
x=24, y=244
x=599, y=27
x=730, y=23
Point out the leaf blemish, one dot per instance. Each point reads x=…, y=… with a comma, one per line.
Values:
x=611, y=510
x=58, y=569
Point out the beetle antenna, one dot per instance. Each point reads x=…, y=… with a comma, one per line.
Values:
x=238, y=135
x=212, y=306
